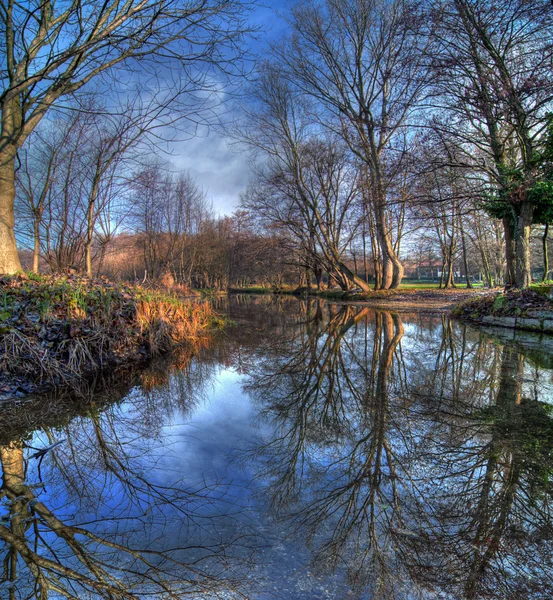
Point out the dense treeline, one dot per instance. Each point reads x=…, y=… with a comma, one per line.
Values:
x=391, y=139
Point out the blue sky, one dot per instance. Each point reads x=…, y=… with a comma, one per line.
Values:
x=222, y=171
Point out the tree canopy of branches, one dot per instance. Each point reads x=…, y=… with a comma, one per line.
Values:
x=309, y=184
x=362, y=62
x=52, y=49
x=494, y=79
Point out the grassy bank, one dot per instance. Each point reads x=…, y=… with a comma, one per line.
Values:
x=336, y=293
x=262, y=289
x=56, y=330
x=420, y=297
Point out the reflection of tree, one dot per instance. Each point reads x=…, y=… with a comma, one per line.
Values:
x=411, y=454
x=491, y=496
x=412, y=460
x=101, y=519
x=332, y=466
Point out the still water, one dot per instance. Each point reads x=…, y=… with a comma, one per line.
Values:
x=311, y=451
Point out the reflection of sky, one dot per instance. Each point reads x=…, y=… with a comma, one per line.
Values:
x=198, y=450
x=201, y=446
x=204, y=448
x=193, y=441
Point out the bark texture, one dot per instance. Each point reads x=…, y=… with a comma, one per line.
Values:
x=9, y=258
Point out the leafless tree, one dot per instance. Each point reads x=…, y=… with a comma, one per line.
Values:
x=52, y=49
x=309, y=184
x=363, y=62
x=168, y=211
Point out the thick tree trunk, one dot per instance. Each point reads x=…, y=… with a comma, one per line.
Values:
x=352, y=277
x=510, y=269
x=9, y=258
x=398, y=274
x=523, y=274
x=545, y=253
x=449, y=281
x=392, y=269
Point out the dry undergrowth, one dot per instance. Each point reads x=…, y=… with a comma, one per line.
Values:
x=58, y=329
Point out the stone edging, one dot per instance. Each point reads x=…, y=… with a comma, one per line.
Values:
x=542, y=325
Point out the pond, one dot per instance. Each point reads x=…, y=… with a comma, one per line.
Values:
x=311, y=451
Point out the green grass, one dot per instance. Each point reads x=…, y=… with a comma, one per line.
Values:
x=418, y=286
x=406, y=285
x=434, y=286
x=262, y=289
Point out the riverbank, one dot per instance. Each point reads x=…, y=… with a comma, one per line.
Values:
x=59, y=330
x=529, y=309
x=431, y=299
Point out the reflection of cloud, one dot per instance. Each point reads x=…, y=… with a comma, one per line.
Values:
x=224, y=421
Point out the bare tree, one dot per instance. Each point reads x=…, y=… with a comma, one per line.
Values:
x=168, y=210
x=53, y=48
x=309, y=184
x=40, y=161
x=363, y=61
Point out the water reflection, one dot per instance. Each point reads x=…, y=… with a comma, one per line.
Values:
x=89, y=513
x=490, y=536
x=314, y=450
x=412, y=469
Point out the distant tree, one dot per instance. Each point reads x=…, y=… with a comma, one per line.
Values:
x=168, y=209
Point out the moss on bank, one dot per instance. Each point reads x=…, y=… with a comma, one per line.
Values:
x=527, y=303
x=56, y=330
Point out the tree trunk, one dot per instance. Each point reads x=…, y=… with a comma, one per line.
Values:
x=90, y=221
x=465, y=258
x=365, y=264
x=318, y=272
x=509, y=252
x=442, y=273
x=88, y=243
x=545, y=253
x=9, y=258
x=523, y=274
x=392, y=269
x=449, y=280
x=398, y=272
x=351, y=276
x=36, y=249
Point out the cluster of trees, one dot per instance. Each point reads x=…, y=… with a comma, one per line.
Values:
x=176, y=52
x=381, y=130
x=88, y=200
x=438, y=109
